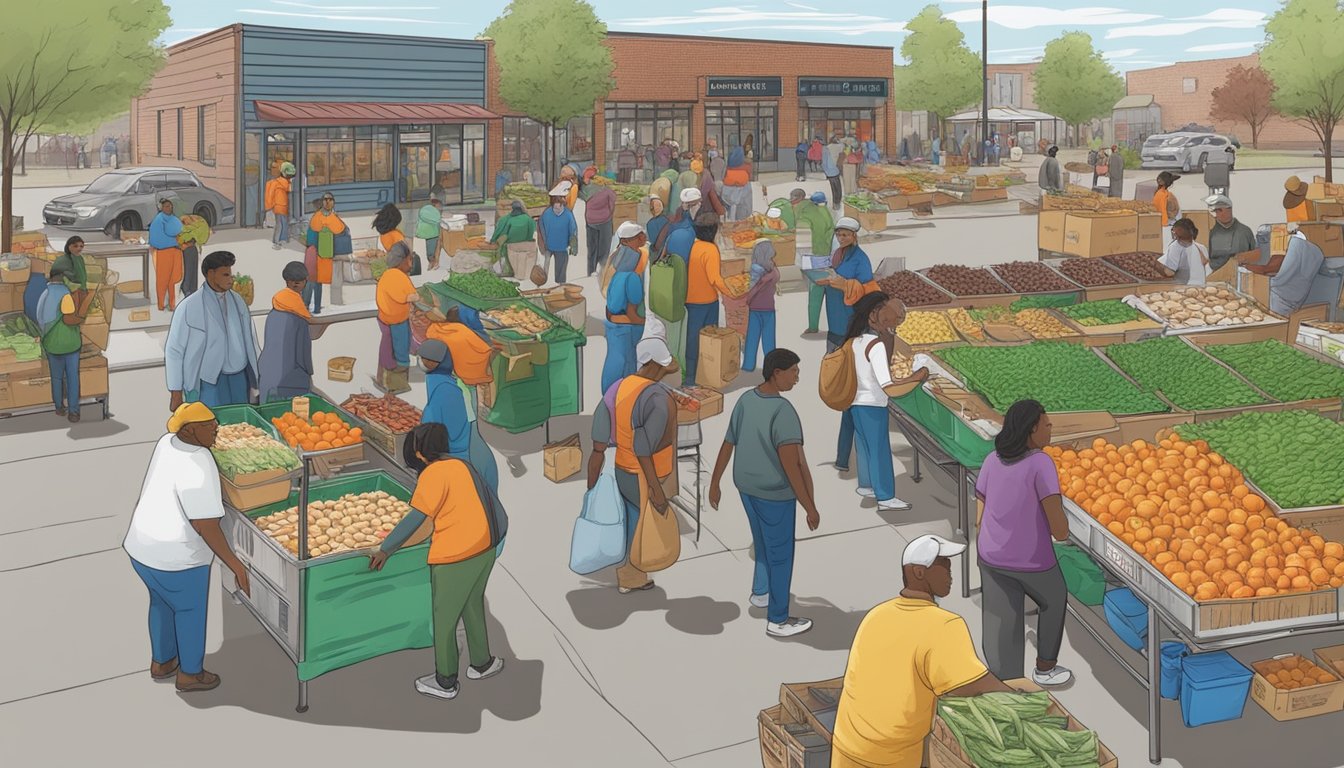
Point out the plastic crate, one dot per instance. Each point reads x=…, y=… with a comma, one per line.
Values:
x=1214, y=688
x=336, y=457
x=1128, y=617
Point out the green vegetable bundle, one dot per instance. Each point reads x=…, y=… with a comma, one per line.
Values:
x=1186, y=376
x=483, y=284
x=532, y=197
x=1109, y=312
x=377, y=266
x=1013, y=729
x=865, y=202
x=256, y=457
x=1060, y=375
x=994, y=314
x=1043, y=302
x=630, y=193
x=1297, y=457
x=1287, y=374
x=241, y=280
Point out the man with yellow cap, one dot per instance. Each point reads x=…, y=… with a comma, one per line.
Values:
x=173, y=539
x=1295, y=200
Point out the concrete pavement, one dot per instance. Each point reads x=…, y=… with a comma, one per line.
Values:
x=670, y=676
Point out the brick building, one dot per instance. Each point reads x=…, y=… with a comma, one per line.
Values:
x=1184, y=92
x=1013, y=85
x=692, y=89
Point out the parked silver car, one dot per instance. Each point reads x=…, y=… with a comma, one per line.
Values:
x=129, y=199
x=1188, y=151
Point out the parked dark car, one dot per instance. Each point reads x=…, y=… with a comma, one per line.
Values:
x=128, y=199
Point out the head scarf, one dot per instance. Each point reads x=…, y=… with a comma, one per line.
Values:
x=189, y=413
x=737, y=158
x=697, y=167
x=763, y=256
x=517, y=207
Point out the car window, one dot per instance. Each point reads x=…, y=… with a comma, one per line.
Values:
x=1217, y=142
x=152, y=184
x=181, y=181
x=111, y=183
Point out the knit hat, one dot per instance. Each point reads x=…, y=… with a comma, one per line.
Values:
x=432, y=350
x=189, y=413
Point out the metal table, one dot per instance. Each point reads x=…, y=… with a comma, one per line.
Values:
x=924, y=444
x=689, y=439
x=103, y=401
x=124, y=251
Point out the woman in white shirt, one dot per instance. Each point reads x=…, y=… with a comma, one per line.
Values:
x=872, y=334
x=174, y=537
x=1187, y=260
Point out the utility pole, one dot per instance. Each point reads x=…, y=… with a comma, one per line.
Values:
x=984, y=65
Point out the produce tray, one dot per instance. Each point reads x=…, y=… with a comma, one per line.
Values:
x=976, y=302
x=335, y=457
x=1127, y=285
x=1272, y=327
x=1074, y=289
x=257, y=489
x=384, y=439
x=1328, y=407
x=1327, y=519
x=1116, y=333
x=1207, y=621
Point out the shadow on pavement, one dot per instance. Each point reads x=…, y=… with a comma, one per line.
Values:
x=833, y=627
x=602, y=607
x=91, y=426
x=378, y=693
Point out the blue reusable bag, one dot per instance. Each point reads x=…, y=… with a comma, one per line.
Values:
x=599, y=533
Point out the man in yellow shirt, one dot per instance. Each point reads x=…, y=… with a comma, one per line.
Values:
x=395, y=295
x=704, y=285
x=906, y=654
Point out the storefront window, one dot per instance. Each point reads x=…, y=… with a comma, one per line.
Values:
x=350, y=154
x=580, y=139
x=417, y=175
x=744, y=123
x=524, y=149
x=828, y=122
x=448, y=163
x=280, y=149
x=647, y=125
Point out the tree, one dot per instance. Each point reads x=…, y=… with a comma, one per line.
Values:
x=943, y=76
x=553, y=61
x=1074, y=83
x=60, y=70
x=1245, y=96
x=1304, y=58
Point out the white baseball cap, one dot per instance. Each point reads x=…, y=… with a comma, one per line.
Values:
x=845, y=222
x=928, y=548
x=774, y=213
x=628, y=229
x=561, y=189
x=652, y=349
x=690, y=195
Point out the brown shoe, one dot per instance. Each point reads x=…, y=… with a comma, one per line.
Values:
x=206, y=681
x=627, y=590
x=163, y=671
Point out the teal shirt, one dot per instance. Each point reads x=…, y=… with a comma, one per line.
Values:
x=427, y=222
x=760, y=424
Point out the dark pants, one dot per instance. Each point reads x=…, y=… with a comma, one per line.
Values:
x=698, y=317
x=1004, y=629
x=561, y=264
x=772, y=524
x=837, y=191
x=801, y=162
x=177, y=611
x=312, y=295
x=599, y=245
x=191, y=269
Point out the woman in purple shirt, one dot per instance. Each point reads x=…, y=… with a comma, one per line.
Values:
x=1019, y=511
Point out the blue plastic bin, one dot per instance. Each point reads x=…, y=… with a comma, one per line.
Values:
x=1214, y=687
x=1128, y=617
x=1173, y=653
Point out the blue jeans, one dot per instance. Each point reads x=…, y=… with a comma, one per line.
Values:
x=772, y=524
x=177, y=609
x=312, y=295
x=65, y=380
x=228, y=389
x=698, y=316
x=845, y=447
x=281, y=234
x=760, y=330
x=395, y=349
x=620, y=362
x=872, y=423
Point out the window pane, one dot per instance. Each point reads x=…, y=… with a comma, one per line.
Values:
x=363, y=160
x=581, y=138
x=317, y=163
x=382, y=157
x=473, y=131
x=363, y=131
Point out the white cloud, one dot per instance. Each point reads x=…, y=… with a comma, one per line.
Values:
x=1124, y=53
x=1222, y=47
x=804, y=7
x=1227, y=18
x=1033, y=16
x=336, y=17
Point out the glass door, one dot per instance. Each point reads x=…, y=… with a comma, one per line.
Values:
x=473, y=163
x=413, y=162
x=281, y=147
x=251, y=213
x=448, y=164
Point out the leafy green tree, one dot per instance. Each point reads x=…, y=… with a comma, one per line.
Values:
x=553, y=61
x=1304, y=58
x=1074, y=83
x=1247, y=95
x=943, y=76
x=62, y=68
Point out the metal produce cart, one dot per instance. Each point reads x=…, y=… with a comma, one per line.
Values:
x=689, y=439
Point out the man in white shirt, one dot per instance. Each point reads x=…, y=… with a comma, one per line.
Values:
x=1185, y=259
x=174, y=537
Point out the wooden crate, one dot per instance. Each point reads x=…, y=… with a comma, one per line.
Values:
x=871, y=221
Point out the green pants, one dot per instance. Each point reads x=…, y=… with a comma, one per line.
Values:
x=815, y=295
x=458, y=594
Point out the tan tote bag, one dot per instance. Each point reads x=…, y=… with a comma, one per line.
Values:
x=657, y=542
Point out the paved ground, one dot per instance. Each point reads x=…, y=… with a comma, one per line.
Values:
x=672, y=676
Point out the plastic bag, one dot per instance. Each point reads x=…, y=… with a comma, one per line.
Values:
x=599, y=532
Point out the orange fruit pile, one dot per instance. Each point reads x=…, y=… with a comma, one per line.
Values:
x=1293, y=672
x=1189, y=513
x=322, y=432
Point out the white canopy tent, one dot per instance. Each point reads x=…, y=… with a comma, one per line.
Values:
x=1028, y=126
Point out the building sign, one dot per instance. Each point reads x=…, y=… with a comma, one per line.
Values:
x=870, y=88
x=744, y=86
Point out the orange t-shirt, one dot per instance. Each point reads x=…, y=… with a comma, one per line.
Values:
x=704, y=276
x=471, y=355
x=331, y=221
x=390, y=239
x=393, y=289
x=446, y=494
x=1160, y=202
x=1299, y=212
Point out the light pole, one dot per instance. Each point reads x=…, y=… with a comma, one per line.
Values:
x=984, y=65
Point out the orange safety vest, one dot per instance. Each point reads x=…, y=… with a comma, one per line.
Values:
x=627, y=393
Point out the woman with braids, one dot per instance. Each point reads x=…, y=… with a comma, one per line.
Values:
x=1019, y=510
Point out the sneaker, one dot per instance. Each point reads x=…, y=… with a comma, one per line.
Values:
x=866, y=493
x=790, y=627
x=760, y=601
x=437, y=687
x=492, y=668
x=893, y=505
x=275, y=246
x=627, y=590
x=1056, y=676
x=60, y=411
x=73, y=417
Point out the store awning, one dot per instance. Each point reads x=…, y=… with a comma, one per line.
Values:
x=335, y=113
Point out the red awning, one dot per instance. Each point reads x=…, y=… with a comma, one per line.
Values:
x=335, y=113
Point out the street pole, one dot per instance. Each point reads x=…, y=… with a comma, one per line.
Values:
x=984, y=65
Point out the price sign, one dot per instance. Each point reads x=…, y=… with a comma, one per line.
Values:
x=1122, y=560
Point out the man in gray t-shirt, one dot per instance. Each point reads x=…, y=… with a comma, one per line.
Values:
x=771, y=475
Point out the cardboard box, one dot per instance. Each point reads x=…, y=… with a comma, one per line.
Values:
x=1203, y=221
x=1100, y=234
x=95, y=330
x=1326, y=209
x=11, y=297
x=774, y=754
x=10, y=365
x=139, y=315
x=1294, y=704
x=1150, y=233
x=562, y=459
x=30, y=392
x=1327, y=236
x=93, y=376
x=1321, y=190
x=720, y=357
x=709, y=403
x=1050, y=231
x=1278, y=240
x=734, y=266
x=813, y=703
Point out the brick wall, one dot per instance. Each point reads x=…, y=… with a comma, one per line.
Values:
x=1167, y=86
x=672, y=69
x=1027, y=71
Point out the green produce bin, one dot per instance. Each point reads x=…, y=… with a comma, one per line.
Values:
x=1082, y=576
x=245, y=414
x=951, y=433
x=316, y=404
x=349, y=613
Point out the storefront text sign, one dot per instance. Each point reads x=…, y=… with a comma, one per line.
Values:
x=744, y=86
x=872, y=88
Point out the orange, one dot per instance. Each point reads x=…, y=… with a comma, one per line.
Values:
x=328, y=436
x=1266, y=592
x=1243, y=592
x=1206, y=591
x=1333, y=549
x=356, y=433
x=1215, y=565
x=1253, y=503
x=1215, y=514
x=1320, y=577
x=323, y=445
x=1180, y=579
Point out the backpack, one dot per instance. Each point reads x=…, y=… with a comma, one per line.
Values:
x=838, y=381
x=1092, y=158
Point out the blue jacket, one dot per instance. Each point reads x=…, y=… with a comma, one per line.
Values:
x=197, y=347
x=163, y=231
x=680, y=241
x=445, y=405
x=558, y=230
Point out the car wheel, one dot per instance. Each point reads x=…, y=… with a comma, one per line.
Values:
x=207, y=212
x=129, y=220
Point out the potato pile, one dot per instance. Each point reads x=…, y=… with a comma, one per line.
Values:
x=1091, y=273
x=352, y=522
x=1031, y=277
x=520, y=319
x=1197, y=306
x=967, y=325
x=1041, y=324
x=1293, y=672
x=238, y=436
x=965, y=281
x=911, y=289
x=926, y=328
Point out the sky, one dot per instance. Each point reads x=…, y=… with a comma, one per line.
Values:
x=1139, y=35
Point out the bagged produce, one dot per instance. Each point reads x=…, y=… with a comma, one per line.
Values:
x=244, y=287
x=667, y=288
x=598, y=540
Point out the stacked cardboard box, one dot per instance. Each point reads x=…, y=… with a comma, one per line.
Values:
x=1094, y=234
x=796, y=733
x=32, y=389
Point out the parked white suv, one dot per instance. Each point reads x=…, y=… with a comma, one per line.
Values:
x=1188, y=151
